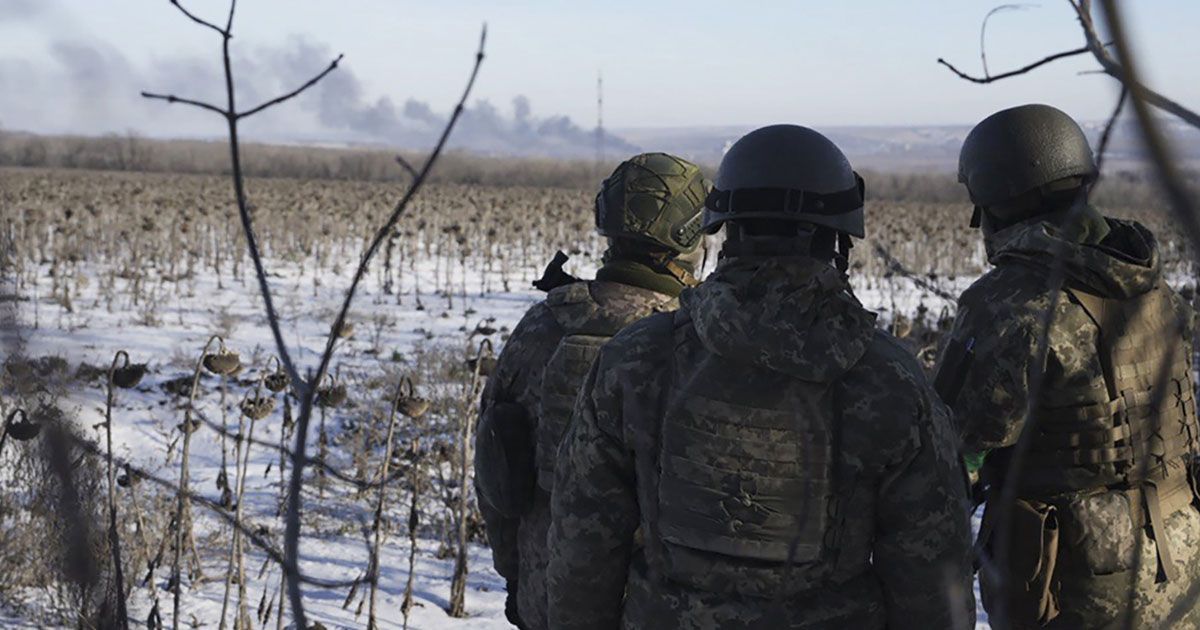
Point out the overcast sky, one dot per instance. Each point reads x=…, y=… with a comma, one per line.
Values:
x=77, y=65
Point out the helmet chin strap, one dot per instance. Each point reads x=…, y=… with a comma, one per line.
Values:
x=841, y=258
x=977, y=217
x=677, y=271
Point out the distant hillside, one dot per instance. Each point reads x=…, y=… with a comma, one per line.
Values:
x=899, y=149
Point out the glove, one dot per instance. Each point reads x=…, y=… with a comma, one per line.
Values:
x=510, y=606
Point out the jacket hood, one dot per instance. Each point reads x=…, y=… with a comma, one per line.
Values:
x=1124, y=264
x=794, y=315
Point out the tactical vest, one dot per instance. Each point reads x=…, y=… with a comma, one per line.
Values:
x=589, y=322
x=744, y=482
x=1134, y=430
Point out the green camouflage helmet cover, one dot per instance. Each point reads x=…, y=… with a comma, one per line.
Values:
x=1020, y=149
x=654, y=198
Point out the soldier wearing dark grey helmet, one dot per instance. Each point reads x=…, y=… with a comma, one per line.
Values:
x=650, y=210
x=763, y=457
x=1105, y=487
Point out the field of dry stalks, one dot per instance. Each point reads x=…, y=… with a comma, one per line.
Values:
x=132, y=322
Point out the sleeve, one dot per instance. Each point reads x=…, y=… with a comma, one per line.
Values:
x=990, y=406
x=922, y=550
x=517, y=378
x=595, y=511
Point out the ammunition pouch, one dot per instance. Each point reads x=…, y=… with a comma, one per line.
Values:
x=1031, y=563
x=505, y=473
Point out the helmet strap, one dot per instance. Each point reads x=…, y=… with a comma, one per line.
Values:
x=677, y=271
x=841, y=259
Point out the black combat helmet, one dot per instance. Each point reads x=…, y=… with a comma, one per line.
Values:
x=790, y=173
x=1015, y=157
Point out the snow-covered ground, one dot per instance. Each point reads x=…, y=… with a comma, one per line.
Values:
x=391, y=333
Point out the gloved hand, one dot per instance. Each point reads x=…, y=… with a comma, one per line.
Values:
x=510, y=605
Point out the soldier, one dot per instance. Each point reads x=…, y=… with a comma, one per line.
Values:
x=764, y=457
x=1113, y=424
x=650, y=210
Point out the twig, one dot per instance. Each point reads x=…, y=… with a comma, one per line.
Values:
x=292, y=531
x=983, y=30
x=1120, y=71
x=171, y=98
x=1018, y=71
x=277, y=100
x=192, y=17
x=1102, y=150
x=406, y=166
x=239, y=189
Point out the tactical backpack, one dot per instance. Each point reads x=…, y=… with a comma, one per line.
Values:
x=742, y=498
x=590, y=318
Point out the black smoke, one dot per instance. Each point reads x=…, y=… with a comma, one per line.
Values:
x=90, y=87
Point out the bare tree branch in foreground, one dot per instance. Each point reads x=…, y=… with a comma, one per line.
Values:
x=305, y=388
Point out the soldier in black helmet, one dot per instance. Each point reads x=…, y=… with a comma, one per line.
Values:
x=1114, y=423
x=650, y=210
x=763, y=457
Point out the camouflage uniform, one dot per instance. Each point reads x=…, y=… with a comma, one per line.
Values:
x=1067, y=478
x=519, y=544
x=708, y=394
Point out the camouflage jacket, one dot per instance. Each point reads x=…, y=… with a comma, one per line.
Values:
x=1002, y=316
x=519, y=545
x=897, y=552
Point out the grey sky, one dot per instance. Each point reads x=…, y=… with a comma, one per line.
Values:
x=76, y=65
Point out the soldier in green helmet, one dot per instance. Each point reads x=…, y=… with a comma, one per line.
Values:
x=1105, y=488
x=650, y=211
x=764, y=457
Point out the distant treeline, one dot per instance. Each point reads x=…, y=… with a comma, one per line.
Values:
x=131, y=152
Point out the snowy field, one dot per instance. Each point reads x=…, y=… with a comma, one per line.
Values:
x=394, y=334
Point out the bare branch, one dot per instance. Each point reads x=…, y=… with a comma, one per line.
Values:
x=239, y=189
x=292, y=532
x=1115, y=69
x=983, y=29
x=1018, y=71
x=171, y=98
x=275, y=101
x=224, y=32
x=1181, y=202
x=1108, y=128
x=406, y=166
x=229, y=20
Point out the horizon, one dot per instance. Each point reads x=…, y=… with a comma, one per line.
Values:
x=75, y=68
